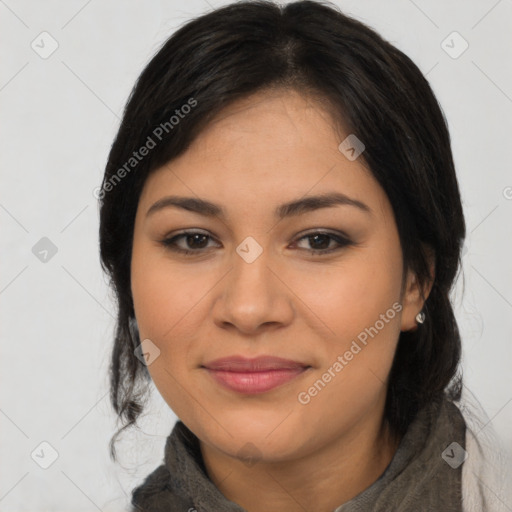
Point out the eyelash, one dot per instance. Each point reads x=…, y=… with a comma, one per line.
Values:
x=170, y=243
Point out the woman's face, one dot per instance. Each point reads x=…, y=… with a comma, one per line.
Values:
x=254, y=284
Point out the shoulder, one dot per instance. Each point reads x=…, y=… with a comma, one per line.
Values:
x=155, y=494
x=487, y=470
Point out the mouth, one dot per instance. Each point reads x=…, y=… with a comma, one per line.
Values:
x=252, y=376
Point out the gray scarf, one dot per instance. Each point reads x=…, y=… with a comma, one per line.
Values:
x=424, y=474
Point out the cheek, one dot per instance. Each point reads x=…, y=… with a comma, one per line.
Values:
x=171, y=304
x=162, y=293
x=349, y=296
x=358, y=303
x=164, y=300
x=356, y=361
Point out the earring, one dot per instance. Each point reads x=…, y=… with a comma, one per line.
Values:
x=134, y=331
x=420, y=317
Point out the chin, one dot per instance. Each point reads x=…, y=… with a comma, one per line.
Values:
x=273, y=440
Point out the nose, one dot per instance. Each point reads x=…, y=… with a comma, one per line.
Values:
x=252, y=297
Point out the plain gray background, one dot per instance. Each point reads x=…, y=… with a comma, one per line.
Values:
x=60, y=112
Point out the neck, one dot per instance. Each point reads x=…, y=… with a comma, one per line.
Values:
x=321, y=481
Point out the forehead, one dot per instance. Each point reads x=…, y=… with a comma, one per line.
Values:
x=282, y=120
x=262, y=150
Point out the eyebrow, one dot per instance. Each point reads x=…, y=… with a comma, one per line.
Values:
x=289, y=209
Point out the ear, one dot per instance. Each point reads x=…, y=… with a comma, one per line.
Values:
x=414, y=297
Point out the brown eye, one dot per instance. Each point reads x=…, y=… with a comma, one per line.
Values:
x=194, y=242
x=320, y=242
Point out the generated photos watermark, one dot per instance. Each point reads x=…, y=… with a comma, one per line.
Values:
x=304, y=397
x=157, y=135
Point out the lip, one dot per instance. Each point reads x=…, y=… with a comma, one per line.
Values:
x=254, y=375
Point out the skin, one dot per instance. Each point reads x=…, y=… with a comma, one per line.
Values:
x=263, y=151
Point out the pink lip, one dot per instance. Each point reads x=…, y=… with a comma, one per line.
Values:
x=256, y=375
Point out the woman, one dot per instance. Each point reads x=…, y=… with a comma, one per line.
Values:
x=282, y=226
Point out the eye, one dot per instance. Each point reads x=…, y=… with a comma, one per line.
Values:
x=196, y=241
x=193, y=239
x=321, y=242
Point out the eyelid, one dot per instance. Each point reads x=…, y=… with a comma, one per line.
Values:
x=322, y=231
